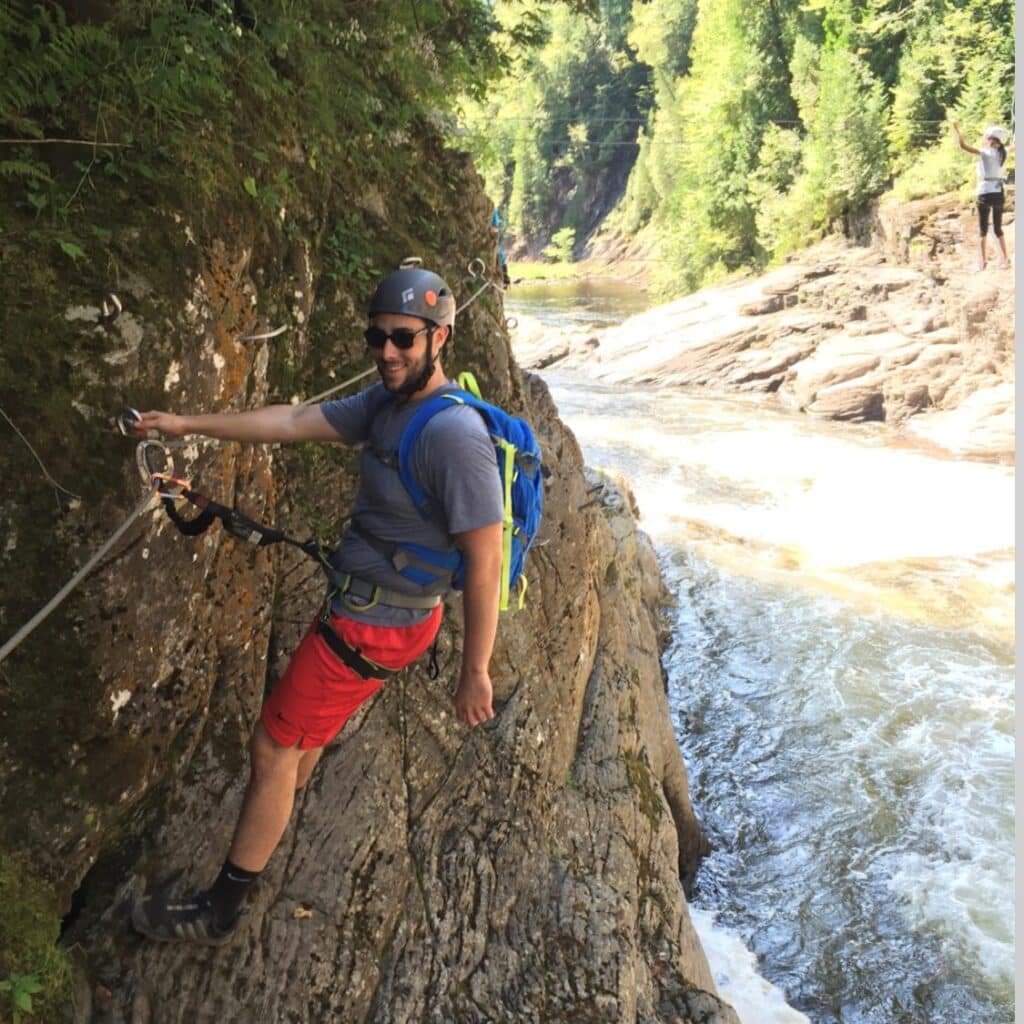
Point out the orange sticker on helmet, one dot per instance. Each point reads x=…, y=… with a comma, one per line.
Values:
x=430, y=298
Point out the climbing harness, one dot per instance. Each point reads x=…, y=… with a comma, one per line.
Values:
x=354, y=593
x=357, y=595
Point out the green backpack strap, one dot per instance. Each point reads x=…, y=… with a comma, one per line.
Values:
x=506, y=453
x=468, y=383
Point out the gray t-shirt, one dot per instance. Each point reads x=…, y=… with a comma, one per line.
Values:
x=453, y=461
x=990, y=171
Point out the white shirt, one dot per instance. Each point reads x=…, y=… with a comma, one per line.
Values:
x=990, y=171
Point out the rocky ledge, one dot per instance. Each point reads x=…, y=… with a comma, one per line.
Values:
x=901, y=331
x=532, y=869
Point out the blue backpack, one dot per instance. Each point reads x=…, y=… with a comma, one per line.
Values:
x=519, y=466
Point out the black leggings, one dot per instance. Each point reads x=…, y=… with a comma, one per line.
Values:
x=990, y=201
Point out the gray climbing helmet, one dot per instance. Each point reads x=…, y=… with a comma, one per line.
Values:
x=415, y=292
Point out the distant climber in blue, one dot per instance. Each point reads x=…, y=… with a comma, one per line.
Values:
x=496, y=226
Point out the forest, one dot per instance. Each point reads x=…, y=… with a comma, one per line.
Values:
x=727, y=132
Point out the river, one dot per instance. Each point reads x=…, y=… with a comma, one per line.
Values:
x=841, y=680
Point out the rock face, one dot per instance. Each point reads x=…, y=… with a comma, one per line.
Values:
x=530, y=870
x=900, y=331
x=526, y=871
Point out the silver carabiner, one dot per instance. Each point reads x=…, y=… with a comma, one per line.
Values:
x=126, y=420
x=110, y=309
x=152, y=457
x=475, y=268
x=511, y=323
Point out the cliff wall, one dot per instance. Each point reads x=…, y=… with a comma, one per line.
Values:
x=530, y=870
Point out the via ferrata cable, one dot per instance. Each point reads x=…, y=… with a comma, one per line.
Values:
x=59, y=597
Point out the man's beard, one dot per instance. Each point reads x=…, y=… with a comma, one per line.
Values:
x=417, y=379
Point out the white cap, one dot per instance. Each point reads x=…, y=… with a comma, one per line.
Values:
x=993, y=131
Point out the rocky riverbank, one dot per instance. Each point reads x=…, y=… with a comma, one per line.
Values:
x=901, y=331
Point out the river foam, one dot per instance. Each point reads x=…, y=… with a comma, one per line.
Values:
x=842, y=675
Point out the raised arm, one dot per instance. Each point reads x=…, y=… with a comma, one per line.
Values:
x=960, y=139
x=272, y=423
x=482, y=549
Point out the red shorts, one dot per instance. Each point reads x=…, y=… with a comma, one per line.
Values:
x=318, y=692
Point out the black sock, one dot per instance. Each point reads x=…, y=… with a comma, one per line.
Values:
x=228, y=893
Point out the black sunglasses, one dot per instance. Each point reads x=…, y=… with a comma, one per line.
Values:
x=401, y=337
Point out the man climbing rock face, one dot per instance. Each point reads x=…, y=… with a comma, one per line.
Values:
x=386, y=608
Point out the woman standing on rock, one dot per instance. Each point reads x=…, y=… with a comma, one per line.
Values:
x=991, y=158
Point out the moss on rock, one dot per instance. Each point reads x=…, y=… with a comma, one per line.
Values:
x=29, y=928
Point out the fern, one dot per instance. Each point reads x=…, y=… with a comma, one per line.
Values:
x=50, y=67
x=25, y=169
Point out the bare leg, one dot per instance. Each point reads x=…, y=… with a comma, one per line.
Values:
x=982, y=254
x=306, y=765
x=1005, y=262
x=268, y=800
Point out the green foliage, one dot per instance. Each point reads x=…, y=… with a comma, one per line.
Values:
x=548, y=138
x=778, y=166
x=560, y=249
x=252, y=109
x=20, y=988
x=764, y=125
x=34, y=973
x=661, y=33
x=954, y=58
x=845, y=153
x=637, y=205
x=938, y=169
x=706, y=219
x=347, y=253
x=76, y=252
x=943, y=166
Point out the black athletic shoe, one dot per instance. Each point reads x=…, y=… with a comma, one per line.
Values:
x=191, y=920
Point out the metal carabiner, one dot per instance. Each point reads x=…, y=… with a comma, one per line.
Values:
x=511, y=323
x=110, y=309
x=475, y=268
x=126, y=420
x=170, y=486
x=152, y=459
